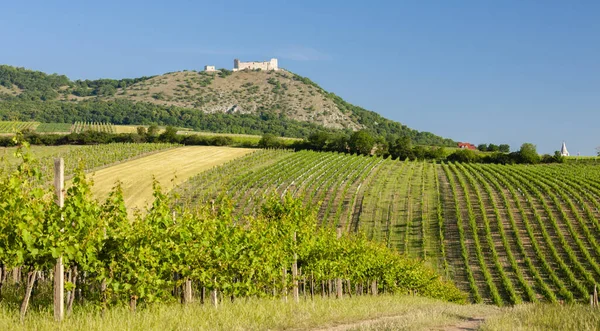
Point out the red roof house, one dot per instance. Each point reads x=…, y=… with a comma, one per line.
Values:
x=467, y=146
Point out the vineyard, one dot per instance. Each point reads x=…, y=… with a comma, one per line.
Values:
x=166, y=253
x=504, y=234
x=88, y=157
x=53, y=127
x=79, y=127
x=12, y=127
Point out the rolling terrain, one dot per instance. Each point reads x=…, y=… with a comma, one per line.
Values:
x=504, y=234
x=243, y=102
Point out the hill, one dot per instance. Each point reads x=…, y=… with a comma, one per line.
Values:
x=253, y=102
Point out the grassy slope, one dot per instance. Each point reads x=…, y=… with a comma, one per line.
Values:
x=169, y=168
x=263, y=314
x=249, y=92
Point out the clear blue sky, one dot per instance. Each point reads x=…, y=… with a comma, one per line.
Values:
x=477, y=71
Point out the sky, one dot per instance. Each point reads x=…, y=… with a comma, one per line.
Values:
x=475, y=71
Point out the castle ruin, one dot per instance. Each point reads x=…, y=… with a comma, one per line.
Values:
x=269, y=65
x=209, y=68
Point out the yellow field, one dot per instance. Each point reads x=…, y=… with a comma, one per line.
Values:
x=170, y=168
x=126, y=128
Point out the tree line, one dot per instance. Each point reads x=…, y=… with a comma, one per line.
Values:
x=365, y=143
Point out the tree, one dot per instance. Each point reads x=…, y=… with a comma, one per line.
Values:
x=493, y=148
x=528, y=154
x=141, y=130
x=463, y=155
x=338, y=143
x=169, y=135
x=269, y=140
x=318, y=140
x=153, y=130
x=482, y=147
x=401, y=148
x=504, y=148
x=361, y=142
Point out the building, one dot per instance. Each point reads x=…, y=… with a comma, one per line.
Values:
x=563, y=150
x=209, y=68
x=269, y=65
x=467, y=146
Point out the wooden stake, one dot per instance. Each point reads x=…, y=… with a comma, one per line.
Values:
x=59, y=269
x=339, y=289
x=30, y=281
x=187, y=292
x=295, y=275
x=133, y=303
x=214, y=299
x=284, y=284
x=73, y=276
x=374, y=287
x=312, y=286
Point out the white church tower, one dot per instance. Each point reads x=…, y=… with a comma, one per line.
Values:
x=563, y=150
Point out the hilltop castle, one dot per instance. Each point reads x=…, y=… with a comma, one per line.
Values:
x=270, y=65
x=239, y=65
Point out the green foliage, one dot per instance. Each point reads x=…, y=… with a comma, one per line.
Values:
x=528, y=154
x=361, y=142
x=169, y=135
x=463, y=155
x=270, y=141
x=126, y=112
x=401, y=148
x=211, y=246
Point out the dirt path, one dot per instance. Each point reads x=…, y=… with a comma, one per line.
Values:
x=470, y=324
x=388, y=322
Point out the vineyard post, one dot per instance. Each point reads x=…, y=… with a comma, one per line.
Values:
x=213, y=296
x=595, y=295
x=295, y=273
x=374, y=287
x=59, y=284
x=312, y=285
x=284, y=283
x=187, y=291
x=338, y=282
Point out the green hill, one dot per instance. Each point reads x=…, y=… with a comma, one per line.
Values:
x=254, y=102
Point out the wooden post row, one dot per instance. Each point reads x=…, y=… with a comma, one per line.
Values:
x=59, y=272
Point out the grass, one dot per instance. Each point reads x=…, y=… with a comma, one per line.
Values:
x=170, y=168
x=260, y=314
x=545, y=317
